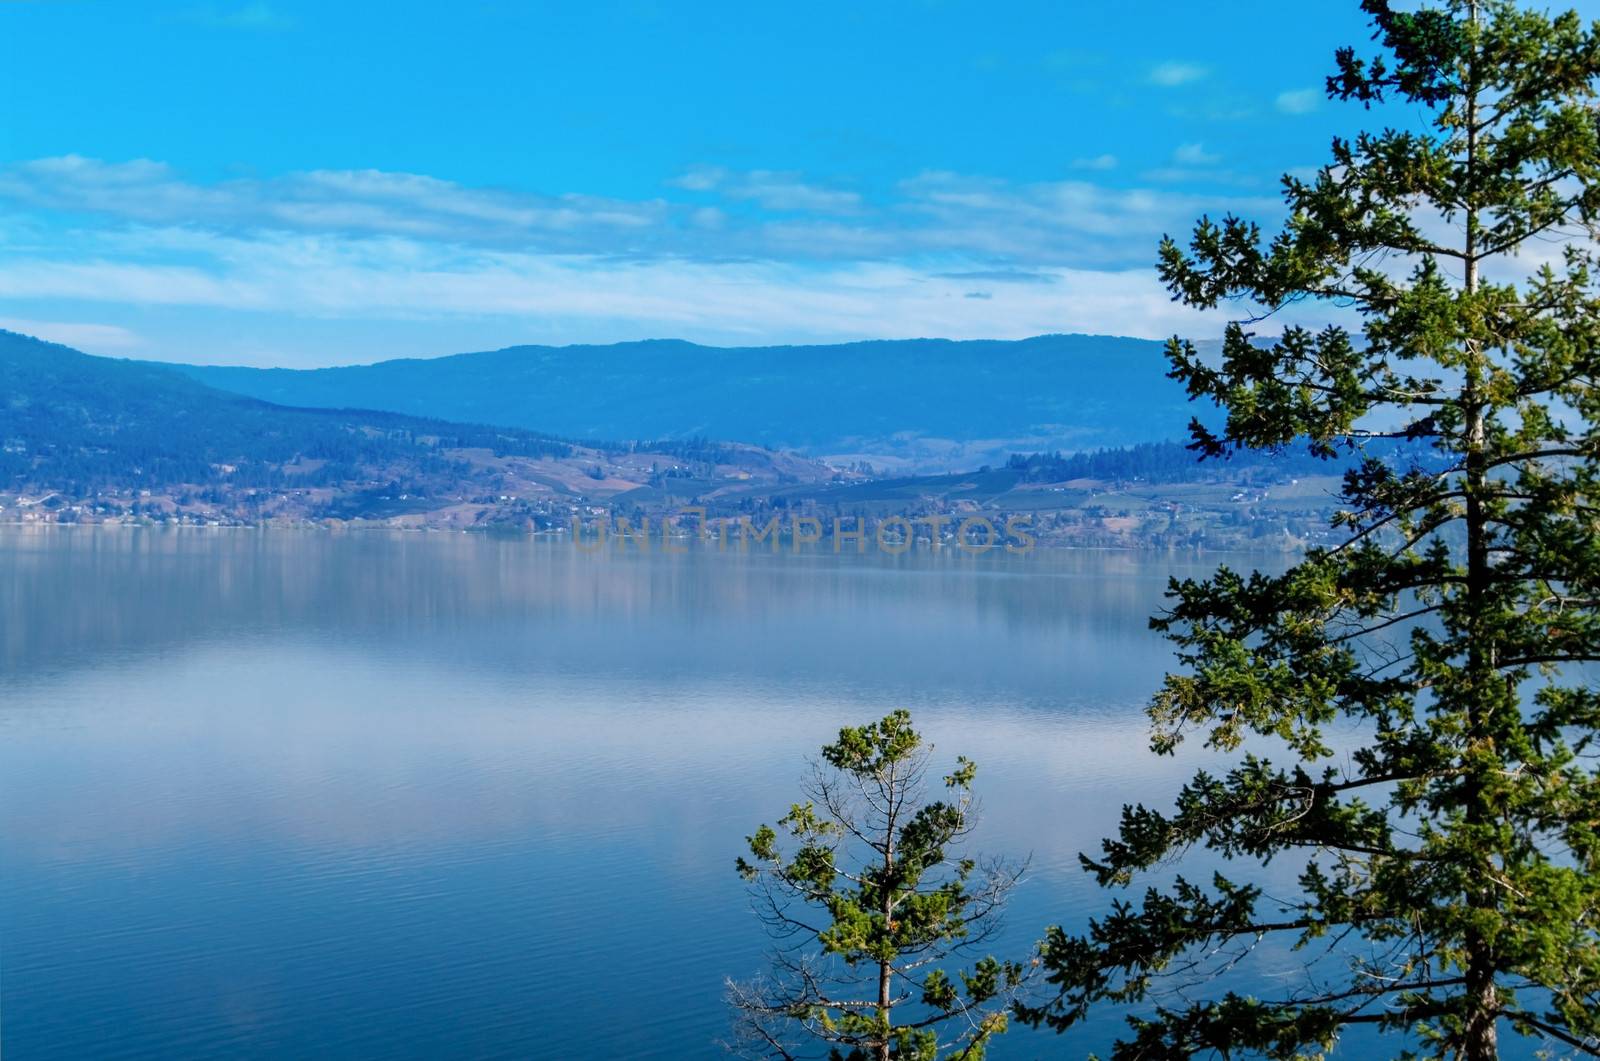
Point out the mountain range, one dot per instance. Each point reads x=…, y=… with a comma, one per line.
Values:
x=909, y=405
x=96, y=437
x=92, y=439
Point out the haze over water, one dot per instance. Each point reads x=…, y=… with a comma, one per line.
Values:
x=302, y=794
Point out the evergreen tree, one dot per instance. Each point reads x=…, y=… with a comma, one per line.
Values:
x=873, y=910
x=1449, y=863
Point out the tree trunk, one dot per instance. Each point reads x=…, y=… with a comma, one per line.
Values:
x=885, y=985
x=886, y=969
x=1480, y=1034
x=1480, y=1037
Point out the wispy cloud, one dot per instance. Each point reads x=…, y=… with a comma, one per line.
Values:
x=397, y=279
x=1195, y=155
x=1075, y=223
x=80, y=334
x=781, y=191
x=1298, y=101
x=699, y=178
x=257, y=17
x=1062, y=223
x=334, y=201
x=787, y=192
x=1002, y=276
x=736, y=256
x=1195, y=165
x=1176, y=74
x=708, y=217
x=1099, y=163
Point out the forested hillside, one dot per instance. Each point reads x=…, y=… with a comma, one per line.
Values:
x=98, y=437
x=82, y=423
x=920, y=404
x=90, y=438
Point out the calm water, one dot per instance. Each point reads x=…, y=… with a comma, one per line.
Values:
x=301, y=794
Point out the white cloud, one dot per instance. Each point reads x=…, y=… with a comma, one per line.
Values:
x=1193, y=164
x=378, y=249
x=257, y=17
x=788, y=192
x=780, y=191
x=349, y=201
x=761, y=214
x=95, y=338
x=1175, y=74
x=699, y=178
x=1194, y=155
x=395, y=280
x=1098, y=162
x=709, y=217
x=1200, y=175
x=1299, y=101
x=1002, y=276
x=1073, y=223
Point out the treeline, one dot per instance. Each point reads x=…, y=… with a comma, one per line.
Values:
x=695, y=450
x=269, y=448
x=1174, y=462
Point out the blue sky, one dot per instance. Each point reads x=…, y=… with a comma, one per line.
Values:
x=317, y=183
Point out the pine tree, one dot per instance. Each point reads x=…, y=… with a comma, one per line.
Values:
x=1449, y=864
x=872, y=912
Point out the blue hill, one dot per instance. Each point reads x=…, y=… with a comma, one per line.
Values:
x=918, y=403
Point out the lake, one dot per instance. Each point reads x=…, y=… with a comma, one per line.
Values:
x=338, y=795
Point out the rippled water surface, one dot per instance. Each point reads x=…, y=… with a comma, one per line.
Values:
x=303, y=794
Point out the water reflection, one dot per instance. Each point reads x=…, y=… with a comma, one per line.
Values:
x=291, y=794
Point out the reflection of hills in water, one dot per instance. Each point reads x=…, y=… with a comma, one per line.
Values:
x=370, y=788
x=1048, y=623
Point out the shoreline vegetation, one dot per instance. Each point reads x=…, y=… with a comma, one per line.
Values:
x=1161, y=526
